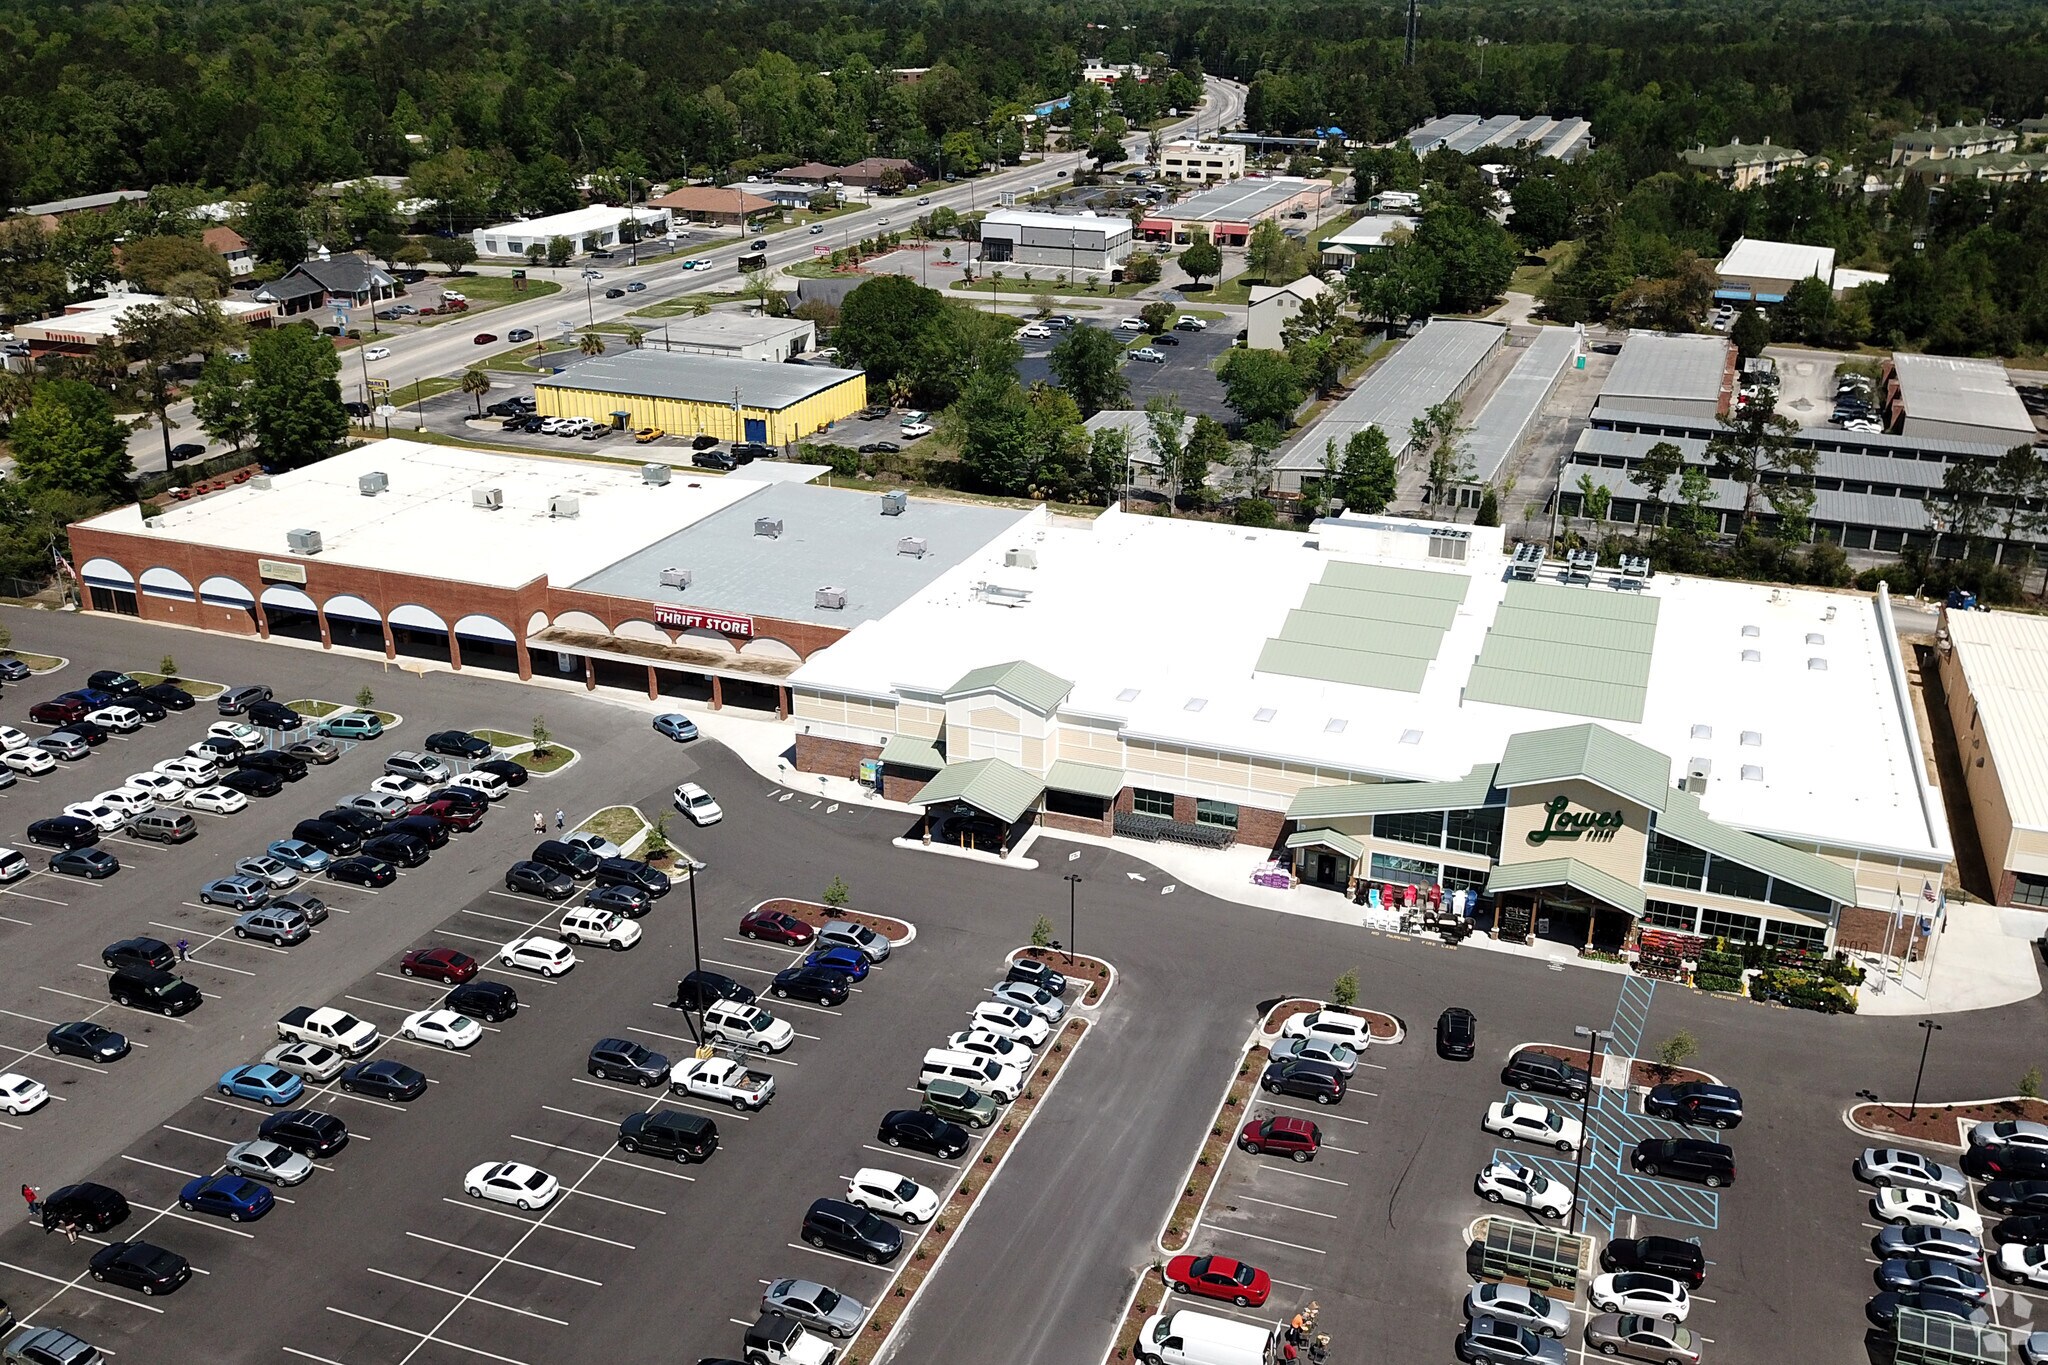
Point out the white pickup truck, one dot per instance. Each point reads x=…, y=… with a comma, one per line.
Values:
x=335, y=1028
x=723, y=1081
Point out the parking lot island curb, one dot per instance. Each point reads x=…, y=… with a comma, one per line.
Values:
x=1577, y=1057
x=898, y=931
x=1099, y=988
x=391, y=719
x=1269, y=1027
x=888, y=1343
x=1998, y=1107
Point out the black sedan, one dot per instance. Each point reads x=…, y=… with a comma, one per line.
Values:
x=402, y=849
x=2028, y=1230
x=490, y=1001
x=457, y=744
x=139, y=952
x=361, y=871
x=921, y=1132
x=2011, y=1162
x=880, y=448
x=538, y=879
x=513, y=773
x=94, y=1042
x=94, y=864
x=2015, y=1196
x=1316, y=1081
x=140, y=1265
x=308, y=1132
x=385, y=1080
x=63, y=831
x=1883, y=1309
x=149, y=708
x=629, y=901
x=819, y=985
x=359, y=822
x=253, y=782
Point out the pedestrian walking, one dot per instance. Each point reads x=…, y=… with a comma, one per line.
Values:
x=184, y=949
x=70, y=1231
x=540, y=823
x=560, y=819
x=28, y=1195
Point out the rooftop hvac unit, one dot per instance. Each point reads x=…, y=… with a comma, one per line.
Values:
x=914, y=546
x=373, y=483
x=895, y=503
x=259, y=481
x=770, y=527
x=675, y=578
x=1697, y=771
x=303, y=542
x=654, y=474
x=565, y=507
x=1020, y=559
x=831, y=598
x=490, y=499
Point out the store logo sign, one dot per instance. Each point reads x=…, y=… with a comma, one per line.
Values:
x=677, y=618
x=1563, y=824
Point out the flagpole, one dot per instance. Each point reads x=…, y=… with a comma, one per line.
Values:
x=1934, y=940
x=1884, y=956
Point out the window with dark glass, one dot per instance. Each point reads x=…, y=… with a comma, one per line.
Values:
x=1411, y=827
x=1073, y=803
x=1671, y=863
x=1781, y=933
x=1669, y=915
x=1152, y=803
x=1798, y=898
x=1474, y=831
x=2028, y=890
x=1726, y=924
x=1733, y=879
x=1219, y=813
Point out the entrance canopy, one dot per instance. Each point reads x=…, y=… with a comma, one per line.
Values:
x=990, y=785
x=1330, y=839
x=1580, y=877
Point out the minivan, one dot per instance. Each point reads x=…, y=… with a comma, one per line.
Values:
x=419, y=767
x=152, y=988
x=1710, y=1163
x=165, y=826
x=1186, y=1337
x=985, y=1074
x=236, y=700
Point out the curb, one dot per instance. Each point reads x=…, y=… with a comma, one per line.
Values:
x=340, y=709
x=1709, y=1077
x=62, y=662
x=1131, y=1298
x=1159, y=1241
x=514, y=751
x=1016, y=953
x=960, y=1230
x=1400, y=1026
x=626, y=848
x=1880, y=1135
x=909, y=929
x=1015, y=860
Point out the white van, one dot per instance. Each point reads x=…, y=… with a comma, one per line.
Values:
x=1190, y=1338
x=998, y=1081
x=13, y=867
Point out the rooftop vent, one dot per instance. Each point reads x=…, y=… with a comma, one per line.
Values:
x=1411, y=736
x=1702, y=732
x=914, y=546
x=1752, y=772
x=1752, y=656
x=1816, y=665
x=770, y=527
x=490, y=499
x=373, y=483
x=1195, y=703
x=303, y=542
x=1697, y=771
x=675, y=578
x=259, y=481
x=1128, y=694
x=895, y=503
x=655, y=475
x=1816, y=638
x=1750, y=632
x=1020, y=559
x=565, y=507
x=1335, y=725
x=1264, y=714
x=1752, y=738
x=831, y=599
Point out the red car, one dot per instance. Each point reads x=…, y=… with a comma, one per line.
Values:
x=485, y=338
x=57, y=712
x=775, y=926
x=442, y=964
x=1297, y=1138
x=454, y=814
x=1218, y=1277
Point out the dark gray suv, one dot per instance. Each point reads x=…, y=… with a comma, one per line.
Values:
x=1534, y=1071
x=616, y=1059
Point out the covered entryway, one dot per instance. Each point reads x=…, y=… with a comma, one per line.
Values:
x=978, y=804
x=485, y=642
x=420, y=633
x=1326, y=858
x=353, y=623
x=1563, y=900
x=230, y=595
x=108, y=587
x=291, y=613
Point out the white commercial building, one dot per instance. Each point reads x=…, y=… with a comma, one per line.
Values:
x=1202, y=161
x=1764, y=272
x=741, y=336
x=593, y=229
x=1342, y=249
x=1069, y=241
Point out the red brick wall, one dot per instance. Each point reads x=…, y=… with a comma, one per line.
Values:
x=1864, y=929
x=1260, y=828
x=833, y=757
x=898, y=784
x=1077, y=824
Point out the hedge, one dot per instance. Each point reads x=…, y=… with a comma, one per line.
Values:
x=1708, y=981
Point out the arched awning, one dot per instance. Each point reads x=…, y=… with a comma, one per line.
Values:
x=411, y=617
x=284, y=597
x=105, y=573
x=225, y=592
x=348, y=607
x=476, y=627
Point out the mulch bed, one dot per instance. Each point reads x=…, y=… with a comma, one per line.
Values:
x=1151, y=1293
x=895, y=930
x=1640, y=1071
x=1937, y=1122
x=947, y=1224
x=1180, y=1223
x=1384, y=1026
x=1074, y=966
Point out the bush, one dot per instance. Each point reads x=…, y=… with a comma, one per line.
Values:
x=1041, y=933
x=1709, y=982
x=1344, y=992
x=838, y=893
x=1802, y=991
x=1720, y=964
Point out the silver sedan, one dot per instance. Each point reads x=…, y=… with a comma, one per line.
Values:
x=1331, y=1053
x=1888, y=1166
x=1641, y=1338
x=1520, y=1305
x=815, y=1305
x=271, y=1161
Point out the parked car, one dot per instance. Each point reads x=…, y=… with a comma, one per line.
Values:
x=1633, y=1336
x=89, y=1207
x=1219, y=1277
x=2015, y=1196
x=263, y=1082
x=1696, y=1102
x=446, y=1028
x=776, y=926
x=94, y=1042
x=447, y=965
x=268, y=1160
x=816, y=1306
x=835, y=1225
x=512, y=1182
x=538, y=953
x=457, y=744
x=700, y=990
x=1883, y=1308
x=1304, y=1080
x=922, y=1132
x=1888, y=1166
x=1457, y=1034
x=1508, y=1181
x=1350, y=1029
x=1521, y=1305
x=1297, y=1139
x=1536, y=1071
x=1925, y=1208
x=669, y=1133
x=233, y=1197
x=819, y=985
x=1496, y=1342
x=93, y=864
x=895, y=1195
x=238, y=892
x=1641, y=1293
x=1532, y=1121
x=1942, y=1244
x=835, y=932
x=140, y=1265
x=1710, y=1163
x=538, y=879
x=385, y=1080
x=362, y=871
x=491, y=1001
x=1931, y=1275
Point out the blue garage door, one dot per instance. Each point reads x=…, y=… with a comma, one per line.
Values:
x=757, y=429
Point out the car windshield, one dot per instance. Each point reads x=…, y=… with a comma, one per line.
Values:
x=1554, y=1122
x=759, y=1019
x=704, y=799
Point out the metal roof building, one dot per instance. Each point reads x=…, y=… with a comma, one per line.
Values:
x=1690, y=376
x=1957, y=399
x=710, y=394
x=1438, y=363
x=1228, y=212
x=1563, y=139
x=1504, y=423
x=1766, y=271
x=1994, y=672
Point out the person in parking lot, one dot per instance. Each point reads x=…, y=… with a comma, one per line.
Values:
x=559, y=820
x=540, y=823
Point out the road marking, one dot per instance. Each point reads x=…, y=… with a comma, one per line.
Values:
x=505, y=919
x=1289, y=1170
x=478, y=1207
x=524, y=1265
x=1291, y=1208
x=82, y=1288
x=467, y=1297
x=307, y=1355
x=623, y=1203
x=219, y=1224
x=771, y=947
x=1320, y=1111
x=158, y=1165
x=599, y=1156
x=835, y=1256
x=26, y=924
x=1333, y=1147
x=1215, y=1227
x=741, y=967
x=898, y=1151
x=571, y=1113
x=425, y=1337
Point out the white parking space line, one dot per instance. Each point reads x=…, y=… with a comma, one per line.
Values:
x=600, y=1156
x=770, y=947
x=740, y=967
x=411, y=980
x=536, y=1223
x=425, y=1337
x=1234, y=1232
x=623, y=1203
x=467, y=1297
x=1320, y=1111
x=1291, y=1208
x=209, y=940
x=26, y=924
x=472, y=938
x=81, y=1288
x=835, y=1256
x=571, y=1113
x=218, y=1224
x=523, y=1265
x=898, y=1151
x=453, y=1053
x=27, y=897
x=240, y=1107
x=503, y=919
x=158, y=1165
x=308, y=1355
x=1289, y=1170
x=1333, y=1147
x=22, y=1054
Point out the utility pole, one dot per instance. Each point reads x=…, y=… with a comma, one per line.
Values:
x=1594, y=1037
x=1928, y=1029
x=1411, y=31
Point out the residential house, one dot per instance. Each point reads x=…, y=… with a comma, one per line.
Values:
x=1274, y=306
x=347, y=279
x=229, y=245
x=1942, y=144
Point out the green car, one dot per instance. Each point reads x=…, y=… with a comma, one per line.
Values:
x=958, y=1101
x=351, y=725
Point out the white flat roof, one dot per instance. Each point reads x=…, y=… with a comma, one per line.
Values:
x=1946, y=388
x=425, y=522
x=102, y=317
x=1370, y=231
x=574, y=221
x=1836, y=753
x=2004, y=656
x=735, y=328
x=1056, y=222
x=1752, y=259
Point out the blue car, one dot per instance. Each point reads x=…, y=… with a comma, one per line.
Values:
x=297, y=853
x=678, y=728
x=852, y=961
x=262, y=1081
x=233, y=1197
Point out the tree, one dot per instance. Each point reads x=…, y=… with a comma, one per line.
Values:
x=1208, y=445
x=1265, y=255
x=2030, y=1084
x=2019, y=480
x=1041, y=933
x=1751, y=333
x=294, y=397
x=837, y=893
x=1261, y=386
x=366, y=207
x=1087, y=361
x=1439, y=434
x=1395, y=283
x=590, y=342
x=220, y=399
x=1594, y=499
x=989, y=424
x=1157, y=317
x=1258, y=512
x=1694, y=518
x=1661, y=464
x=365, y=698
x=1201, y=256
x=1166, y=423
x=543, y=738
x=1474, y=258
x=1489, y=507
x=476, y=384
x=152, y=264
x=1755, y=445
x=560, y=249
x=66, y=440
x=1344, y=991
x=1103, y=149
x=452, y=252
x=1254, y=464
x=1678, y=1049
x=155, y=336
x=274, y=225
x=1370, y=478
x=1143, y=268
x=535, y=253
x=1540, y=212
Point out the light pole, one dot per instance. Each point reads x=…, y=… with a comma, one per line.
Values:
x=1073, y=880
x=589, y=308
x=1594, y=1038
x=1928, y=1029
x=696, y=948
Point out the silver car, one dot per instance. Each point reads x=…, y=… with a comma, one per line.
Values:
x=1044, y=1004
x=265, y=1160
x=1341, y=1057
x=1887, y=1166
x=268, y=871
x=1520, y=1305
x=1639, y=1338
x=383, y=805
x=312, y=1063
x=1933, y=1244
x=814, y=1305
x=50, y=1346
x=65, y=745
x=1489, y=1339
x=2021, y=1133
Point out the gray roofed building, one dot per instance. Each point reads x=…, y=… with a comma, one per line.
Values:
x=1438, y=363
x=1693, y=376
x=1562, y=139
x=1504, y=423
x=701, y=378
x=738, y=336
x=1958, y=399
x=1136, y=425
x=84, y=203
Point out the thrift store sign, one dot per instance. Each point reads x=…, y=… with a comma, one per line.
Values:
x=1562, y=824
x=677, y=618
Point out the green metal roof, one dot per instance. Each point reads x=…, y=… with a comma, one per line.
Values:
x=1004, y=790
x=1578, y=651
x=1331, y=663
x=1084, y=779
x=1380, y=578
x=1024, y=683
x=908, y=751
x=1415, y=611
x=1328, y=838
x=1567, y=872
x=1350, y=632
x=1566, y=696
x=1367, y=625
x=1593, y=752
x=1338, y=800
x=1683, y=819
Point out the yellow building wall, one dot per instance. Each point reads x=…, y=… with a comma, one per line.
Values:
x=800, y=420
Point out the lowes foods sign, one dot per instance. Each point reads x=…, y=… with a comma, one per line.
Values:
x=678, y=618
x=1563, y=824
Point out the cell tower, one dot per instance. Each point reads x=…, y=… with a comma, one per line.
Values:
x=1411, y=31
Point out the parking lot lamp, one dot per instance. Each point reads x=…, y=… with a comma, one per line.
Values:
x=1073, y=880
x=696, y=946
x=1928, y=1028
x=1594, y=1038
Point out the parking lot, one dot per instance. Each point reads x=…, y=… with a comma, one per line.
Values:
x=1188, y=376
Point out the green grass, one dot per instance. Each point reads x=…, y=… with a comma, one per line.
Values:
x=422, y=389
x=501, y=288
x=1237, y=291
x=818, y=268
x=678, y=307
x=1043, y=285
x=1534, y=279
x=192, y=687
x=616, y=823
x=314, y=707
x=37, y=663
x=559, y=755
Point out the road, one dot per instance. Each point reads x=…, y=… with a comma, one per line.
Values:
x=450, y=347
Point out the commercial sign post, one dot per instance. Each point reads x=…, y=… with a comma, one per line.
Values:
x=680, y=618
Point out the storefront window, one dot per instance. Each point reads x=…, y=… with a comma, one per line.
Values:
x=1411, y=827
x=2028, y=890
x=1073, y=803
x=1464, y=879
x=1726, y=924
x=1474, y=831
x=1152, y=803
x=1783, y=933
x=1668, y=915
x=1414, y=872
x=1798, y=898
x=1733, y=879
x=1671, y=863
x=1220, y=813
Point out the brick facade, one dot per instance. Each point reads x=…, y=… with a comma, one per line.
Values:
x=898, y=784
x=1260, y=828
x=1863, y=930
x=1077, y=824
x=833, y=757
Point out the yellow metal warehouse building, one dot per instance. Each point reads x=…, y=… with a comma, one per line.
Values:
x=703, y=395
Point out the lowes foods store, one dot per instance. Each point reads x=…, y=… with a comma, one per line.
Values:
x=1387, y=709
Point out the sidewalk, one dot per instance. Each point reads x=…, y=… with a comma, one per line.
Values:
x=1983, y=958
